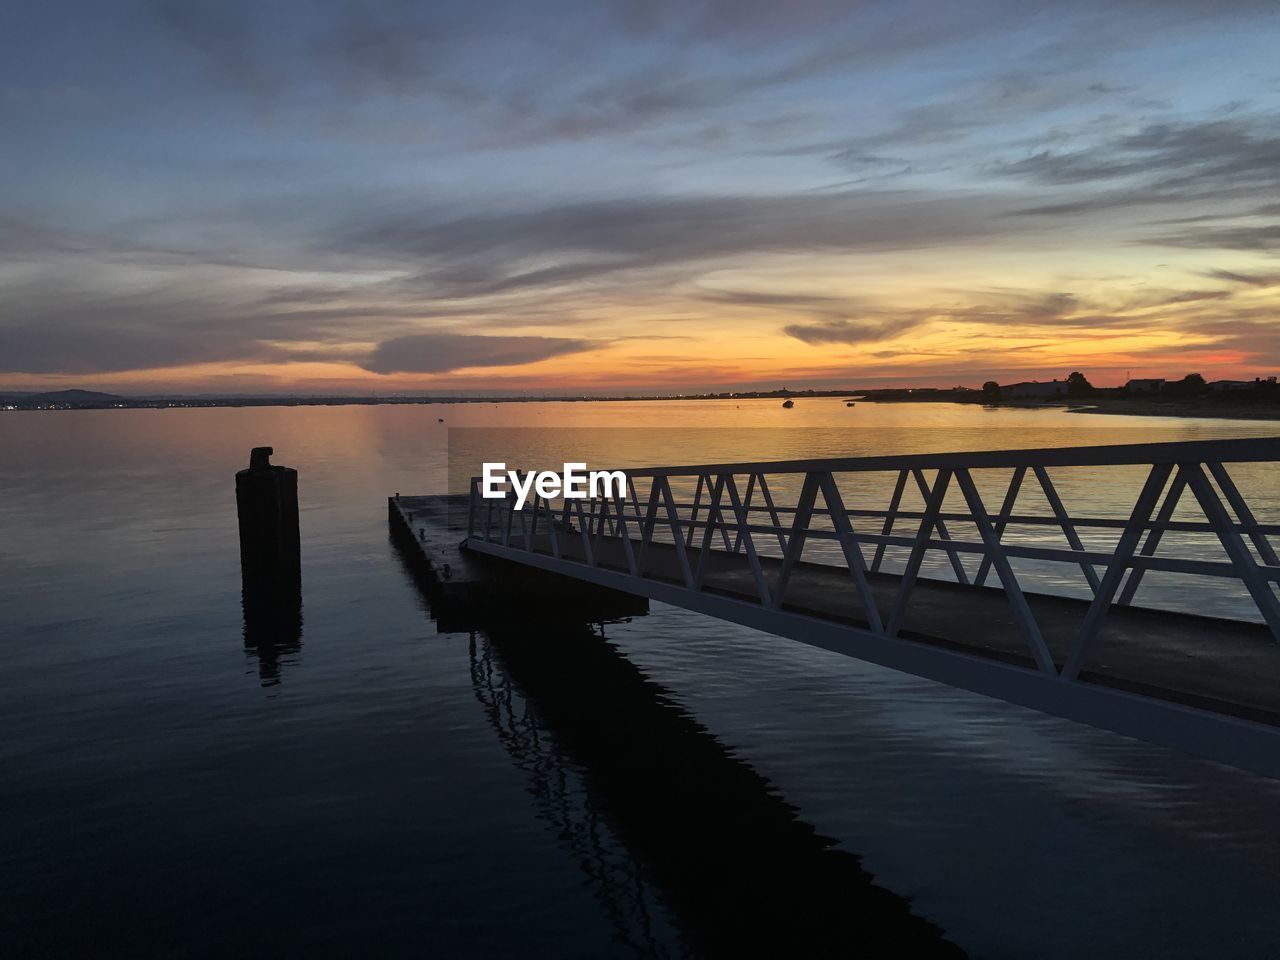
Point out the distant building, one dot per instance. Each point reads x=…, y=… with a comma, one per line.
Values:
x=1230, y=386
x=1154, y=385
x=1034, y=388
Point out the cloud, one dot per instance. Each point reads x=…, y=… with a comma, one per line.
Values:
x=445, y=352
x=1249, y=279
x=490, y=252
x=1167, y=163
x=850, y=331
x=1255, y=239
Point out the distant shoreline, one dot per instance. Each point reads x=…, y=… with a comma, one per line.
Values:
x=1186, y=409
x=90, y=400
x=1197, y=408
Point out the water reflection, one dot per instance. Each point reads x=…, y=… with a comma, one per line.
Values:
x=272, y=633
x=614, y=873
x=742, y=874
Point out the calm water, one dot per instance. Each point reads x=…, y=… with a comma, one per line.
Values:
x=381, y=788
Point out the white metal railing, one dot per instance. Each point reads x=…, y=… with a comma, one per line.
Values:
x=737, y=508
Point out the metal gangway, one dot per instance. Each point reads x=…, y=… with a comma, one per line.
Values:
x=930, y=580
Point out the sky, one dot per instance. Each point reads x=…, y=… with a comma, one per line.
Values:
x=635, y=195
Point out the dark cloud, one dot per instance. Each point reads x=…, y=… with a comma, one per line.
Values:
x=79, y=349
x=1233, y=148
x=1166, y=163
x=444, y=352
x=752, y=298
x=1254, y=239
x=58, y=323
x=1248, y=279
x=850, y=331
x=1195, y=296
x=684, y=232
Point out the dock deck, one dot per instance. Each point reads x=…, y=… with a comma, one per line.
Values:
x=1151, y=652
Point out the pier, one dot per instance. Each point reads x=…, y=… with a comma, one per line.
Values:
x=729, y=540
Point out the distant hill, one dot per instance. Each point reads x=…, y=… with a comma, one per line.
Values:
x=71, y=398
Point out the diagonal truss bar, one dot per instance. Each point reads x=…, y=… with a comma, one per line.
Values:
x=552, y=532
x=714, y=518
x=1244, y=514
x=622, y=532
x=1235, y=546
x=584, y=531
x=1064, y=521
x=473, y=496
x=773, y=513
x=933, y=506
x=510, y=518
x=744, y=537
x=746, y=502
x=795, y=542
x=693, y=512
x=601, y=516
x=956, y=565
x=892, y=515
x=635, y=497
x=853, y=557
x=1120, y=561
x=1008, y=579
x=1002, y=521
x=677, y=536
x=650, y=523
x=1154, y=537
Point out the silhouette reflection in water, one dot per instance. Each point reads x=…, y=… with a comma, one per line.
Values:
x=272, y=632
x=701, y=830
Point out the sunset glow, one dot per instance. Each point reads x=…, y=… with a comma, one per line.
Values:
x=318, y=198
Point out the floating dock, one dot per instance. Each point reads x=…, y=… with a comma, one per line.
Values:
x=467, y=589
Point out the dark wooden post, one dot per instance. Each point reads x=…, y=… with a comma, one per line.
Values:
x=267, y=505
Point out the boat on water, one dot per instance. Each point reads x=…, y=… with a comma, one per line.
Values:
x=849, y=403
x=788, y=404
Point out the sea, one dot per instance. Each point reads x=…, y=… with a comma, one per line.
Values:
x=374, y=785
